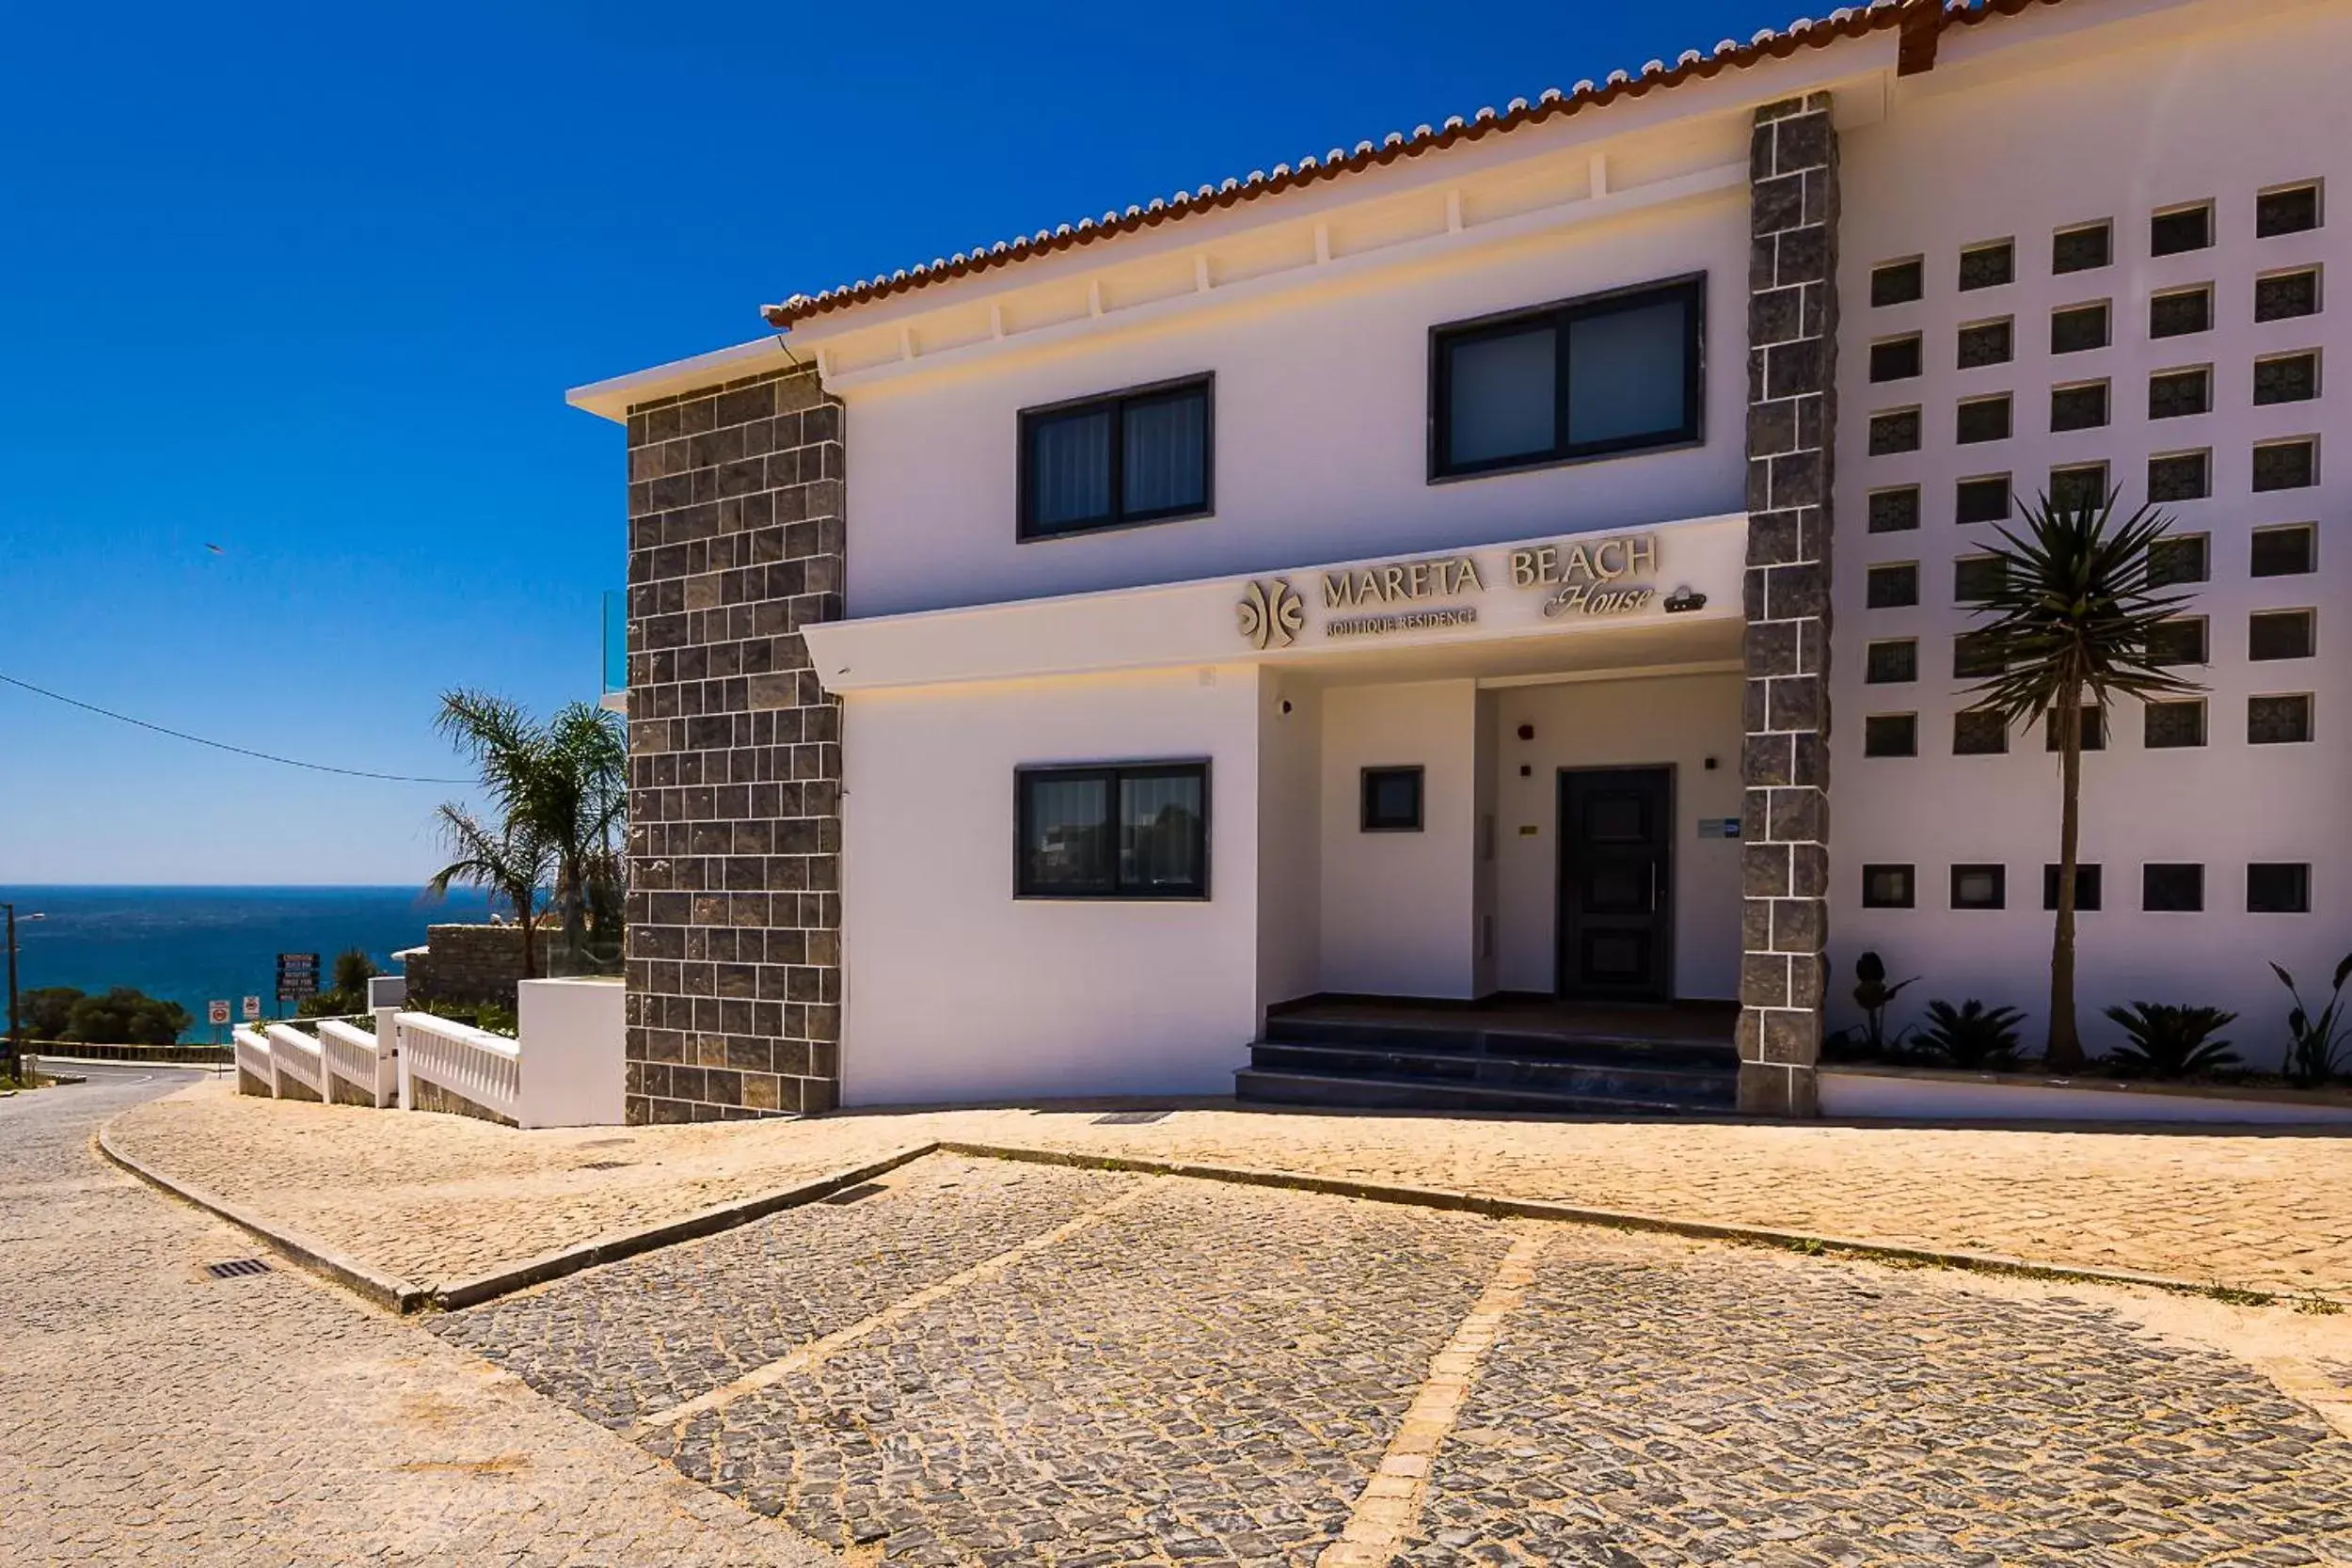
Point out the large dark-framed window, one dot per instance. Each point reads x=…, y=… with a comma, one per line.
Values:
x=1147, y=454
x=1132, y=829
x=1598, y=376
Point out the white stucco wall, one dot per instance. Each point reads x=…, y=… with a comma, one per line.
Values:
x=959, y=991
x=2114, y=122
x=1320, y=429
x=1398, y=914
x=1673, y=722
x=1289, y=838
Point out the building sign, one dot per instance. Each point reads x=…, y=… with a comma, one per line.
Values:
x=297, y=976
x=1579, y=577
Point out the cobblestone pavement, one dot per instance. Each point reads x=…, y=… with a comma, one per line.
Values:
x=150, y=1413
x=655, y=1330
x=1658, y=1402
x=429, y=1198
x=1210, y=1377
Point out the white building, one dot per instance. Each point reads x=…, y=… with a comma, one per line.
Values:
x=1408, y=573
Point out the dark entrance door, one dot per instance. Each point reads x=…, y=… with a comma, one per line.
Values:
x=1616, y=883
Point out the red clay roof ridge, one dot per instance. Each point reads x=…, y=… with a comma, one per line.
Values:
x=1729, y=54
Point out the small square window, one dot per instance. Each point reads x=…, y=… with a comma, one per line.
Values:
x=2282, y=721
x=2083, y=407
x=2094, y=730
x=2080, y=486
x=2291, y=209
x=1891, y=587
x=1897, y=282
x=2172, y=889
x=1983, y=419
x=2278, y=889
x=1982, y=501
x=1986, y=343
x=1887, y=887
x=2274, y=634
x=1894, y=510
x=1890, y=735
x=1893, y=662
x=2285, y=552
x=1896, y=359
x=2173, y=725
x=1978, y=577
x=2086, y=886
x=2178, y=640
x=1392, y=799
x=2177, y=394
x=2286, y=465
x=2183, y=228
x=2287, y=379
x=1975, y=656
x=2177, y=558
x=1988, y=266
x=2182, y=312
x=2283, y=295
x=2079, y=328
x=2083, y=248
x=1979, y=887
x=1895, y=431
x=2183, y=476
x=1978, y=732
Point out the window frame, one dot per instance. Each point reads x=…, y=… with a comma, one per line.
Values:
x=1026, y=529
x=1364, y=823
x=2149, y=870
x=2000, y=886
x=1114, y=774
x=1561, y=314
x=1911, y=886
x=2303, y=887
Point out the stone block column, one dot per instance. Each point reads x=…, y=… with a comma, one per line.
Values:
x=1792, y=417
x=735, y=542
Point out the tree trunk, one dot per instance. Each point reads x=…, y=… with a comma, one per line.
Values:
x=569, y=886
x=531, y=935
x=2064, y=1051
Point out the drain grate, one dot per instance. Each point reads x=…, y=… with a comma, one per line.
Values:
x=236, y=1268
x=857, y=1194
x=1130, y=1119
x=607, y=1165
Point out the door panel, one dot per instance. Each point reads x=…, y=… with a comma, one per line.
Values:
x=1616, y=881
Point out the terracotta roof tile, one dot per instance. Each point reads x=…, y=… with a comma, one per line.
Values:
x=1729, y=54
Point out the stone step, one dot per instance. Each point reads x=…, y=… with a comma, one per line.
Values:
x=1462, y=1037
x=1628, y=1075
x=1295, y=1088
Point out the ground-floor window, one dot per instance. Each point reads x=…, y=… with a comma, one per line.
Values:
x=1122, y=831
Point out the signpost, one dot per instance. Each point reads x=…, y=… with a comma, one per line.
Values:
x=297, y=976
x=252, y=1009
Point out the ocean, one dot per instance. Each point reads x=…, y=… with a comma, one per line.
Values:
x=194, y=944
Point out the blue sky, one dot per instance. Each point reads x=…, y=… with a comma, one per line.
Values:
x=307, y=282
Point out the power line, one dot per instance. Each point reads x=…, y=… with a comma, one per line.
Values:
x=221, y=745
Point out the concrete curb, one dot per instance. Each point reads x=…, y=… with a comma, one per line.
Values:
x=400, y=1295
x=1515, y=1208
x=626, y=1243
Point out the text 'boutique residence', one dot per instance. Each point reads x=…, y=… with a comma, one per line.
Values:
x=1406, y=576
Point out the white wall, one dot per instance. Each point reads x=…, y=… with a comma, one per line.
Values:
x=1398, y=915
x=959, y=991
x=2107, y=131
x=1678, y=721
x=573, y=1042
x=1290, y=839
x=1322, y=409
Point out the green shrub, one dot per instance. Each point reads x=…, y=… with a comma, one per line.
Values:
x=2169, y=1041
x=1873, y=995
x=1971, y=1037
x=2315, y=1040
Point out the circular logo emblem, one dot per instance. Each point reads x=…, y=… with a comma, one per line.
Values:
x=1271, y=617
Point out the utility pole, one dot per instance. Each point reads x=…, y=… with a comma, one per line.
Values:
x=16, y=1042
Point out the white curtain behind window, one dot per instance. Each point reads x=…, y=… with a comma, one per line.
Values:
x=1167, y=454
x=1069, y=470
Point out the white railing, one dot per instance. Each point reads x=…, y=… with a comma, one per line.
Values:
x=469, y=1063
x=253, y=1059
x=296, y=1055
x=365, y=1060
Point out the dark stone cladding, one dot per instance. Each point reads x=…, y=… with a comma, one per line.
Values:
x=735, y=542
x=1792, y=416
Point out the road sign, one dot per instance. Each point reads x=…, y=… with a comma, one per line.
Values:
x=297, y=975
x=217, y=1013
x=252, y=1008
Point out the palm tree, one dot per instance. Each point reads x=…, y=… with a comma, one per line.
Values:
x=565, y=782
x=511, y=860
x=2076, y=615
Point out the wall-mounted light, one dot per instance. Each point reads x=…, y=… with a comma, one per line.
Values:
x=1527, y=732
